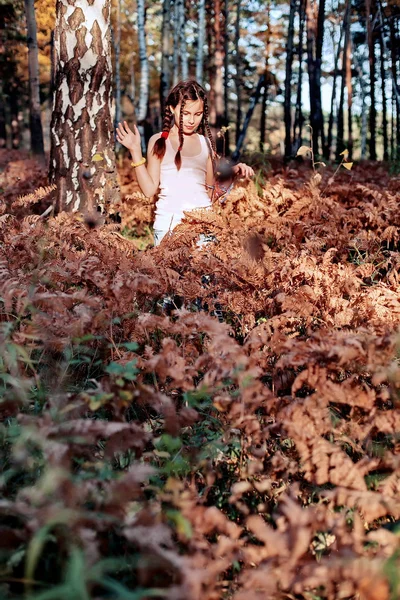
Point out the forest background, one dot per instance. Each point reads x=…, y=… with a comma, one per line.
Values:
x=198, y=423
x=331, y=65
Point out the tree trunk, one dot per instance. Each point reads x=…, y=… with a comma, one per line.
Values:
x=340, y=122
x=315, y=29
x=249, y=114
x=3, y=129
x=349, y=86
x=395, y=85
x=165, y=77
x=238, y=83
x=328, y=145
x=117, y=52
x=210, y=63
x=144, y=63
x=371, y=59
x=384, y=100
x=200, y=40
x=288, y=81
x=263, y=120
x=175, y=57
x=82, y=162
x=182, y=40
x=219, y=63
x=34, y=93
x=298, y=118
x=14, y=115
x=226, y=77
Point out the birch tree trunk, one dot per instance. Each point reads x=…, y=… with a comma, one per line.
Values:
x=175, y=58
x=144, y=63
x=200, y=40
x=35, y=121
x=182, y=40
x=328, y=145
x=165, y=78
x=82, y=162
x=371, y=60
x=288, y=81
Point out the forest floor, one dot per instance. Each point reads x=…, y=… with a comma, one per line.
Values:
x=239, y=440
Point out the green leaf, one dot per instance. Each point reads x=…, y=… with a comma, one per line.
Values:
x=97, y=158
x=130, y=346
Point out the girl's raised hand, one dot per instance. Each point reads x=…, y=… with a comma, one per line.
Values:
x=128, y=138
x=243, y=170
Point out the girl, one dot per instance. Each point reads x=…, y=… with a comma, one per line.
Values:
x=180, y=159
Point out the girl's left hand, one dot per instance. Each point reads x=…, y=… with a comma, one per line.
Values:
x=243, y=170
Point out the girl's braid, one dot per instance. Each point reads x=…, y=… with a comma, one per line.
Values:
x=167, y=119
x=160, y=145
x=209, y=135
x=207, y=127
x=178, y=158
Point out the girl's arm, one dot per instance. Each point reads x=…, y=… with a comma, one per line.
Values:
x=148, y=177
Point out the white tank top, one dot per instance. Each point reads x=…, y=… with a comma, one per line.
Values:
x=184, y=189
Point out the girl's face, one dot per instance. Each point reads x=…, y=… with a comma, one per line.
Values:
x=192, y=115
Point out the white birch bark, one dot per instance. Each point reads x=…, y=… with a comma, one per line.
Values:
x=33, y=66
x=200, y=40
x=144, y=63
x=82, y=161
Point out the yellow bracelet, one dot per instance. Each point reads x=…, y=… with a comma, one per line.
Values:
x=140, y=163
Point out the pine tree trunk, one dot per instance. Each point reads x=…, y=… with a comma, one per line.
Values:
x=200, y=40
x=117, y=52
x=315, y=30
x=165, y=77
x=249, y=114
x=226, y=77
x=371, y=59
x=219, y=63
x=298, y=118
x=3, y=130
x=35, y=121
x=263, y=119
x=349, y=86
x=395, y=87
x=144, y=63
x=238, y=83
x=288, y=81
x=340, y=123
x=82, y=162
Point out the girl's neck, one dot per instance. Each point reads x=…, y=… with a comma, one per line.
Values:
x=174, y=131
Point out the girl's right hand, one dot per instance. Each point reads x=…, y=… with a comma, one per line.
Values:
x=128, y=138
